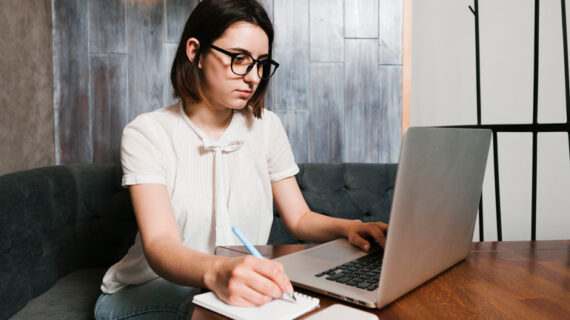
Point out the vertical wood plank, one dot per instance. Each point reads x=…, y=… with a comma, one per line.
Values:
x=291, y=51
x=109, y=101
x=390, y=120
x=269, y=95
x=268, y=5
x=177, y=12
x=326, y=113
x=296, y=124
x=361, y=139
x=71, y=82
x=327, y=30
x=107, y=26
x=361, y=18
x=169, y=53
x=390, y=33
x=145, y=57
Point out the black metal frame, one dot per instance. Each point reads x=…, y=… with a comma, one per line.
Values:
x=533, y=128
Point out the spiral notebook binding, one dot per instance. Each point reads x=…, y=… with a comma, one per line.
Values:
x=306, y=296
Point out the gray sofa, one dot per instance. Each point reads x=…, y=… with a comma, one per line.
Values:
x=62, y=226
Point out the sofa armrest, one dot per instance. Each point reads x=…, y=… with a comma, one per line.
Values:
x=54, y=220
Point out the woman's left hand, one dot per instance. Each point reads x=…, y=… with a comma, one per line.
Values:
x=359, y=232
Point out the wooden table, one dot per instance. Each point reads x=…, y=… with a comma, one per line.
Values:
x=499, y=280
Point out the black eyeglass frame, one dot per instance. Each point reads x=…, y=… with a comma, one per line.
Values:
x=250, y=67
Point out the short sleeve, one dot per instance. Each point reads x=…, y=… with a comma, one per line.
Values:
x=280, y=158
x=141, y=158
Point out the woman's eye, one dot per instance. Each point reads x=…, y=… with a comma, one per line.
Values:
x=241, y=59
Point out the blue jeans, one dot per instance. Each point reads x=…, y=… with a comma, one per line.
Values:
x=156, y=299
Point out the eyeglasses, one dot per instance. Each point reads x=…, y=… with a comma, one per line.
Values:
x=242, y=63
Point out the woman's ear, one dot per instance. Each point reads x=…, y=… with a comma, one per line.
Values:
x=192, y=48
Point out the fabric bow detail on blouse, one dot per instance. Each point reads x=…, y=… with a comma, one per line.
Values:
x=223, y=233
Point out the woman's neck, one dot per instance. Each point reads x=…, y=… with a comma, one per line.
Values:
x=213, y=122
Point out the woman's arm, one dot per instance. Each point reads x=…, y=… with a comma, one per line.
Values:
x=243, y=281
x=310, y=226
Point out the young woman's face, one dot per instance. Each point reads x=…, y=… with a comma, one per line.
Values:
x=222, y=87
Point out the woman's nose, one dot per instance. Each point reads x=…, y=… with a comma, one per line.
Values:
x=252, y=76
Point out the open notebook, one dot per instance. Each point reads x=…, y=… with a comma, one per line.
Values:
x=276, y=309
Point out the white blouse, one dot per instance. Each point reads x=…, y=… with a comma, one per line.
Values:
x=213, y=185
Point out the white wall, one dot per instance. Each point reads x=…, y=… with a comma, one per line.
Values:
x=444, y=93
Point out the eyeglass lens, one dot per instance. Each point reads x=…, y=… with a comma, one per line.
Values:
x=242, y=64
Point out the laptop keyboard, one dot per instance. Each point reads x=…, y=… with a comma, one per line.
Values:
x=362, y=273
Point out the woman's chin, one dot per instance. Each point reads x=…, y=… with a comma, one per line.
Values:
x=238, y=105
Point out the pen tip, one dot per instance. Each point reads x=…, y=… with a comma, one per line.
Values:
x=289, y=297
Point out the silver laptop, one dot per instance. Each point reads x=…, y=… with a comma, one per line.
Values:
x=434, y=208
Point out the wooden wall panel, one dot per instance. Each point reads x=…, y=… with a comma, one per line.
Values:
x=177, y=12
x=362, y=112
x=296, y=124
x=361, y=18
x=390, y=120
x=291, y=19
x=326, y=113
x=268, y=5
x=326, y=89
x=390, y=33
x=145, y=38
x=269, y=95
x=169, y=53
x=108, y=101
x=71, y=82
x=327, y=30
x=107, y=26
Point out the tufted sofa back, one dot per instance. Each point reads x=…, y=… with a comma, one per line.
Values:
x=55, y=220
x=347, y=190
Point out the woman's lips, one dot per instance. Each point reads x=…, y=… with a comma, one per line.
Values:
x=244, y=93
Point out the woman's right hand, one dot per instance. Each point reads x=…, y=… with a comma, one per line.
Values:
x=248, y=281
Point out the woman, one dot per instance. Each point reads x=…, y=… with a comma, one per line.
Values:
x=215, y=160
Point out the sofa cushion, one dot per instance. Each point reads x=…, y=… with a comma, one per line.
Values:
x=71, y=297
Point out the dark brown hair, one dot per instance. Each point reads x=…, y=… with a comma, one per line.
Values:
x=207, y=22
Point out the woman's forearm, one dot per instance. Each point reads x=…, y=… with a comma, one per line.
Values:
x=181, y=265
x=315, y=227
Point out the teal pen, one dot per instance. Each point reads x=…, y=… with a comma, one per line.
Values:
x=254, y=252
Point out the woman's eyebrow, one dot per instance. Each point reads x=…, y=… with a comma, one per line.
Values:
x=265, y=55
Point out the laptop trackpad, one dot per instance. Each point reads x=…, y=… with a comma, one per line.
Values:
x=332, y=252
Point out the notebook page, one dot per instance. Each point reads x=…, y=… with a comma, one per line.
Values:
x=277, y=309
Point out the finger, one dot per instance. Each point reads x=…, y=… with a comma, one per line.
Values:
x=378, y=234
x=360, y=242
x=382, y=226
x=264, y=285
x=243, y=296
x=256, y=298
x=275, y=273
